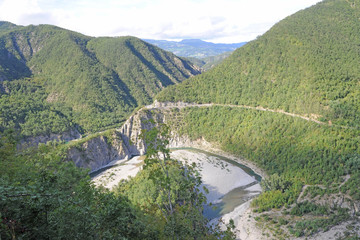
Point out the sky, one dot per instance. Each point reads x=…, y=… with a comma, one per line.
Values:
x=219, y=21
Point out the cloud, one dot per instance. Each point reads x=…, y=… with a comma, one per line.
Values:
x=226, y=20
x=38, y=18
x=25, y=12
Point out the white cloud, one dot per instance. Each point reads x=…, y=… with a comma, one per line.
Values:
x=219, y=21
x=14, y=10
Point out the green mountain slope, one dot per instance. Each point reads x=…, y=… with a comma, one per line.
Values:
x=306, y=64
x=6, y=26
x=53, y=79
x=209, y=62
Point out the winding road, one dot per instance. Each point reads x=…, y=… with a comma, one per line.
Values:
x=170, y=105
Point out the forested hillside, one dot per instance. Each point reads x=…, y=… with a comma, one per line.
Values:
x=45, y=197
x=295, y=153
x=5, y=26
x=306, y=64
x=207, y=63
x=53, y=80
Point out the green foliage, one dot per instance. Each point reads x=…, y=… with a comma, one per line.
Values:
x=314, y=191
x=353, y=164
x=6, y=26
x=25, y=108
x=311, y=226
x=275, y=182
x=296, y=151
x=269, y=200
x=169, y=192
x=65, y=80
x=42, y=197
x=305, y=64
x=210, y=62
x=308, y=207
x=279, y=191
x=352, y=186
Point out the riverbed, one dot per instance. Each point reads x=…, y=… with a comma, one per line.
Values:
x=230, y=184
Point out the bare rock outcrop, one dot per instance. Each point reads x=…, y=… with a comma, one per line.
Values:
x=98, y=152
x=124, y=143
x=70, y=135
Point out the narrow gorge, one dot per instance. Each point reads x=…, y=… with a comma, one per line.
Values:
x=99, y=150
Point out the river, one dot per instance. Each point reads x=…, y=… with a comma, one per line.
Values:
x=230, y=183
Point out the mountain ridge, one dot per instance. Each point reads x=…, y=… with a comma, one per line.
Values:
x=196, y=48
x=294, y=67
x=305, y=65
x=71, y=81
x=287, y=102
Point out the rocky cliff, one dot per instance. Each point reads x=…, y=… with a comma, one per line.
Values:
x=70, y=135
x=98, y=151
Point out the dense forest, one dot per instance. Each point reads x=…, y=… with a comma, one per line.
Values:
x=42, y=196
x=53, y=80
x=306, y=64
x=293, y=151
x=280, y=144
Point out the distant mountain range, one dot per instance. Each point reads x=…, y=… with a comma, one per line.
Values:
x=195, y=48
x=288, y=102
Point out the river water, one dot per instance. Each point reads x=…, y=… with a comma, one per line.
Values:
x=230, y=183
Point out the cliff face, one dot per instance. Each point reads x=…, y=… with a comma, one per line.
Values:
x=35, y=141
x=98, y=152
x=123, y=143
x=126, y=142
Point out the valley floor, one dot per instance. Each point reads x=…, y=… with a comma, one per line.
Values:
x=222, y=179
x=231, y=188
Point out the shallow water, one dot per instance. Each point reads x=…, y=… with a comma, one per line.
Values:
x=229, y=182
x=235, y=197
x=229, y=202
x=228, y=160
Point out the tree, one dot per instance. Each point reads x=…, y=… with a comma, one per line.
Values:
x=169, y=191
x=179, y=198
x=43, y=197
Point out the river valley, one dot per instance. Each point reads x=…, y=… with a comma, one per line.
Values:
x=231, y=185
